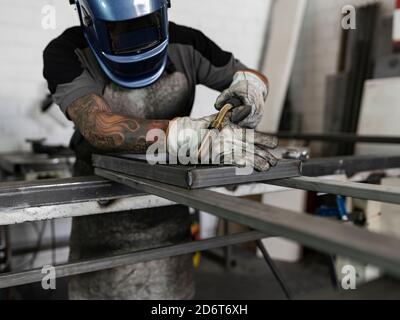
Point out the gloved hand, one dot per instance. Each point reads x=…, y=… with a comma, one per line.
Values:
x=252, y=91
x=186, y=135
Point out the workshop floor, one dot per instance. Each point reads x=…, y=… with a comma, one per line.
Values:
x=250, y=279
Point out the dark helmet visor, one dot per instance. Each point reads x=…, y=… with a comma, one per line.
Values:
x=136, y=35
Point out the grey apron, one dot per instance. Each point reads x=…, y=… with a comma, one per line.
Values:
x=111, y=234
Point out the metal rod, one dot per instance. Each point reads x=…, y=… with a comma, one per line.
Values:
x=337, y=137
x=320, y=234
x=348, y=189
x=72, y=269
x=275, y=270
x=17, y=195
x=349, y=165
x=227, y=249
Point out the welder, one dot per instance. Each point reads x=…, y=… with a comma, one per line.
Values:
x=125, y=71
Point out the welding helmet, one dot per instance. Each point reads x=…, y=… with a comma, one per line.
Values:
x=129, y=38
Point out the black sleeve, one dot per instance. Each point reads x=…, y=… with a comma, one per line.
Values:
x=67, y=79
x=213, y=66
x=61, y=64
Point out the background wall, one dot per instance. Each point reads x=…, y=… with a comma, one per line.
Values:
x=21, y=83
x=233, y=24
x=317, y=57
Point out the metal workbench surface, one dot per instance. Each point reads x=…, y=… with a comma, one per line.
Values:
x=61, y=198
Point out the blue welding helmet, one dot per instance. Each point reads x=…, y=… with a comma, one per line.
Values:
x=128, y=37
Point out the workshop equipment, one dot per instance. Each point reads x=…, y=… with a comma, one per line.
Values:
x=43, y=162
x=339, y=211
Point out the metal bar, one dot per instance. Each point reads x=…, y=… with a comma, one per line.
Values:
x=228, y=249
x=321, y=234
x=275, y=270
x=72, y=269
x=17, y=195
x=349, y=165
x=337, y=137
x=39, y=209
x=348, y=189
x=80, y=209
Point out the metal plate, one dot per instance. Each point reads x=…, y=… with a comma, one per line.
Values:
x=193, y=177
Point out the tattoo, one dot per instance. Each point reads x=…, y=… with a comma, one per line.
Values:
x=108, y=131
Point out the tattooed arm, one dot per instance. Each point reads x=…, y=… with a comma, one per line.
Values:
x=108, y=131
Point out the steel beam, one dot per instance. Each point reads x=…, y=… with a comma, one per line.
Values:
x=349, y=165
x=73, y=269
x=337, y=137
x=321, y=234
x=17, y=195
x=348, y=189
x=65, y=198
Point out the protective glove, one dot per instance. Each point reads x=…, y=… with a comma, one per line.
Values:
x=252, y=91
x=185, y=135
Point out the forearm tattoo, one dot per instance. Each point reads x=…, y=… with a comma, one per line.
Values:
x=108, y=131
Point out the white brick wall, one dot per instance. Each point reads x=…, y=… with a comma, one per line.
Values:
x=234, y=24
x=22, y=86
x=317, y=57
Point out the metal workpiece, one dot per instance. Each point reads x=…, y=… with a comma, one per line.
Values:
x=194, y=177
x=349, y=165
x=17, y=195
x=73, y=269
x=321, y=234
x=343, y=188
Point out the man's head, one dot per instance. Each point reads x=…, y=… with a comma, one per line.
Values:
x=128, y=37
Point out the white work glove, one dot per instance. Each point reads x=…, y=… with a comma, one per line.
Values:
x=252, y=91
x=185, y=135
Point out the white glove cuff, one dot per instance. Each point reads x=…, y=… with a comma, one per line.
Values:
x=253, y=80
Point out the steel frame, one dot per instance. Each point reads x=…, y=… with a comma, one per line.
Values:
x=324, y=235
x=321, y=234
x=73, y=269
x=348, y=189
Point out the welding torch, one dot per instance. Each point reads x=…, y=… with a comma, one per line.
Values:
x=218, y=122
